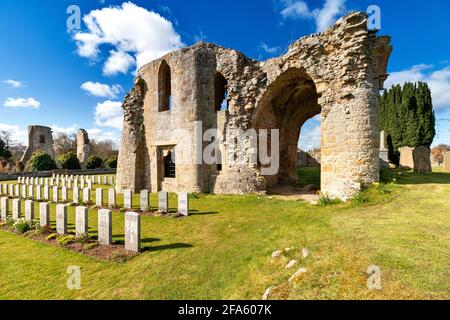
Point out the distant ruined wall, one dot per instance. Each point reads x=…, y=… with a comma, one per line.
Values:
x=84, y=147
x=337, y=73
x=39, y=139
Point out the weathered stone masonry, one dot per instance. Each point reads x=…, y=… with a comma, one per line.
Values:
x=337, y=73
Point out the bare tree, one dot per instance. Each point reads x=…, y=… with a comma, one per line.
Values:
x=104, y=149
x=63, y=143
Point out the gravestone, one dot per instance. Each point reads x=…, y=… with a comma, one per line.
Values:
x=422, y=159
x=76, y=195
x=17, y=191
x=4, y=202
x=11, y=190
x=64, y=194
x=99, y=181
x=89, y=184
x=183, y=203
x=61, y=218
x=16, y=209
x=144, y=200
x=105, y=180
x=447, y=162
x=132, y=231
x=24, y=191
x=105, y=226
x=128, y=199
x=44, y=214
x=29, y=210
x=55, y=194
x=31, y=191
x=112, y=198
x=69, y=184
x=47, y=193
x=38, y=192
x=86, y=195
x=81, y=217
x=99, y=197
x=163, y=201
x=111, y=180
x=406, y=158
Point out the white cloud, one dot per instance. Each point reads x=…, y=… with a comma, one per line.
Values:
x=310, y=137
x=269, y=50
x=109, y=114
x=137, y=35
x=22, y=103
x=101, y=135
x=438, y=81
x=324, y=17
x=14, y=83
x=101, y=90
x=17, y=134
x=69, y=130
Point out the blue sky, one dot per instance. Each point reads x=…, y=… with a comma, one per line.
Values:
x=67, y=80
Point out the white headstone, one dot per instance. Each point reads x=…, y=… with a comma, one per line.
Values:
x=144, y=200
x=99, y=197
x=44, y=214
x=76, y=195
x=105, y=226
x=112, y=198
x=24, y=191
x=29, y=210
x=132, y=231
x=16, y=209
x=86, y=195
x=4, y=208
x=38, y=192
x=64, y=194
x=163, y=201
x=17, y=191
x=47, y=193
x=128, y=199
x=81, y=214
x=31, y=191
x=55, y=194
x=61, y=218
x=183, y=203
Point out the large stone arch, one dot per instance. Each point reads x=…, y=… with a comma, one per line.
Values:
x=287, y=103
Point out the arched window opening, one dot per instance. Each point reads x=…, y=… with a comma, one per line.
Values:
x=165, y=88
x=169, y=165
x=220, y=92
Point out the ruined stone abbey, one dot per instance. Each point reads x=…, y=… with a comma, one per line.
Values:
x=337, y=74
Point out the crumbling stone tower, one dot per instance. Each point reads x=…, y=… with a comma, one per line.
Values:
x=84, y=147
x=39, y=138
x=337, y=74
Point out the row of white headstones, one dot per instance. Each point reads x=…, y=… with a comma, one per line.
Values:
x=132, y=221
x=30, y=190
x=67, y=181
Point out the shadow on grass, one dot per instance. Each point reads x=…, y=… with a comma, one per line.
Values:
x=168, y=247
x=402, y=176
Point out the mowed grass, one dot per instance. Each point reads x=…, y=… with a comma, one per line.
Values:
x=223, y=250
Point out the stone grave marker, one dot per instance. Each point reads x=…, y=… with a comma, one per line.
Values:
x=144, y=200
x=128, y=199
x=44, y=214
x=132, y=231
x=4, y=208
x=105, y=226
x=112, y=198
x=61, y=218
x=86, y=195
x=163, y=201
x=55, y=194
x=16, y=209
x=29, y=210
x=99, y=197
x=81, y=214
x=183, y=203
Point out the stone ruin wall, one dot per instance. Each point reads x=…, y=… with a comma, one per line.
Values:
x=39, y=139
x=84, y=147
x=347, y=65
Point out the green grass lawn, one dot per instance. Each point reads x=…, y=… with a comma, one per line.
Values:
x=223, y=250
